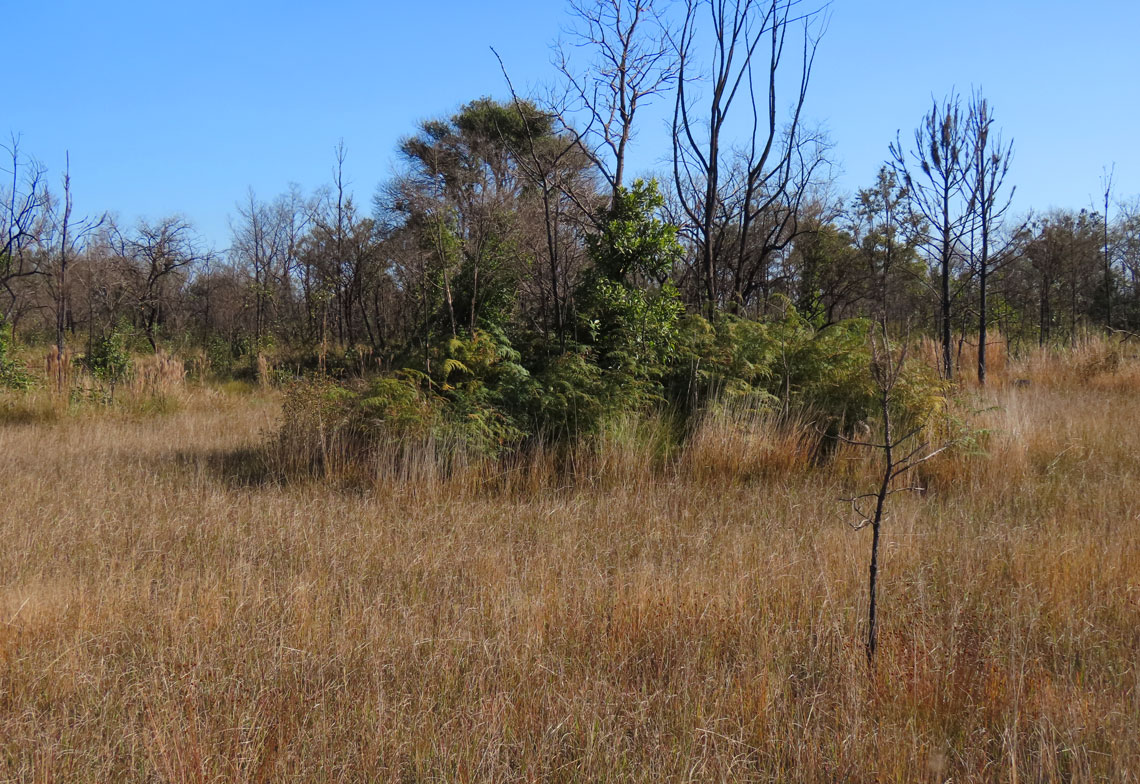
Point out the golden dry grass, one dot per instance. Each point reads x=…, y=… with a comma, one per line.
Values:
x=165, y=617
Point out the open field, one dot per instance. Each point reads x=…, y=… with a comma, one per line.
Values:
x=163, y=620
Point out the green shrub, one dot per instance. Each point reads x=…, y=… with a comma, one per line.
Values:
x=789, y=364
x=394, y=404
x=110, y=358
x=570, y=397
x=452, y=415
x=220, y=357
x=13, y=375
x=629, y=307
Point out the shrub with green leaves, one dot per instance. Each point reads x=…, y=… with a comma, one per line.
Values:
x=110, y=358
x=629, y=307
x=788, y=363
x=460, y=408
x=639, y=358
x=13, y=375
x=481, y=385
x=222, y=356
x=570, y=398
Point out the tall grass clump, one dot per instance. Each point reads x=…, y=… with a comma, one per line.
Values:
x=383, y=430
x=110, y=377
x=736, y=443
x=157, y=375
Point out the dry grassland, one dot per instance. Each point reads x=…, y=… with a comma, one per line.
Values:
x=166, y=618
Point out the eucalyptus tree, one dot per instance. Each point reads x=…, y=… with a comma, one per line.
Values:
x=1127, y=244
x=481, y=198
x=830, y=283
x=886, y=234
x=1064, y=254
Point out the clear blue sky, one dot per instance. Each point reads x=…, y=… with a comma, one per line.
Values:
x=171, y=107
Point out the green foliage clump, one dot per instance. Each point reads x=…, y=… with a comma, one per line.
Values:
x=395, y=405
x=479, y=383
x=110, y=358
x=570, y=397
x=225, y=357
x=459, y=408
x=486, y=286
x=730, y=361
x=920, y=401
x=630, y=308
x=788, y=363
x=13, y=375
x=640, y=359
x=824, y=371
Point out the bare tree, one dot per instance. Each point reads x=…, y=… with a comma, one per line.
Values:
x=726, y=190
x=939, y=190
x=1106, y=183
x=258, y=242
x=23, y=220
x=291, y=211
x=67, y=239
x=990, y=165
x=340, y=262
x=61, y=272
x=159, y=255
x=553, y=161
x=331, y=219
x=632, y=62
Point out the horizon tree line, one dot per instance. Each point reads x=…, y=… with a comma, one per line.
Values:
x=487, y=224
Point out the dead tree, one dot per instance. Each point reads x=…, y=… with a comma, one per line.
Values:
x=71, y=238
x=23, y=221
x=1106, y=181
x=990, y=202
x=940, y=191
x=158, y=255
x=726, y=188
x=887, y=365
x=632, y=62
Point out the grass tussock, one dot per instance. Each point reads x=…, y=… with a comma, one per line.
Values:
x=682, y=616
x=158, y=375
x=154, y=385
x=747, y=446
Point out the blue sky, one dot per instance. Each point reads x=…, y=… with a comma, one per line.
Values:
x=171, y=107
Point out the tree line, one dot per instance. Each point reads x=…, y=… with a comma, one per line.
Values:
x=516, y=218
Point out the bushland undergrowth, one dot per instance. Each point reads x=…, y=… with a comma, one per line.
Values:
x=480, y=404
